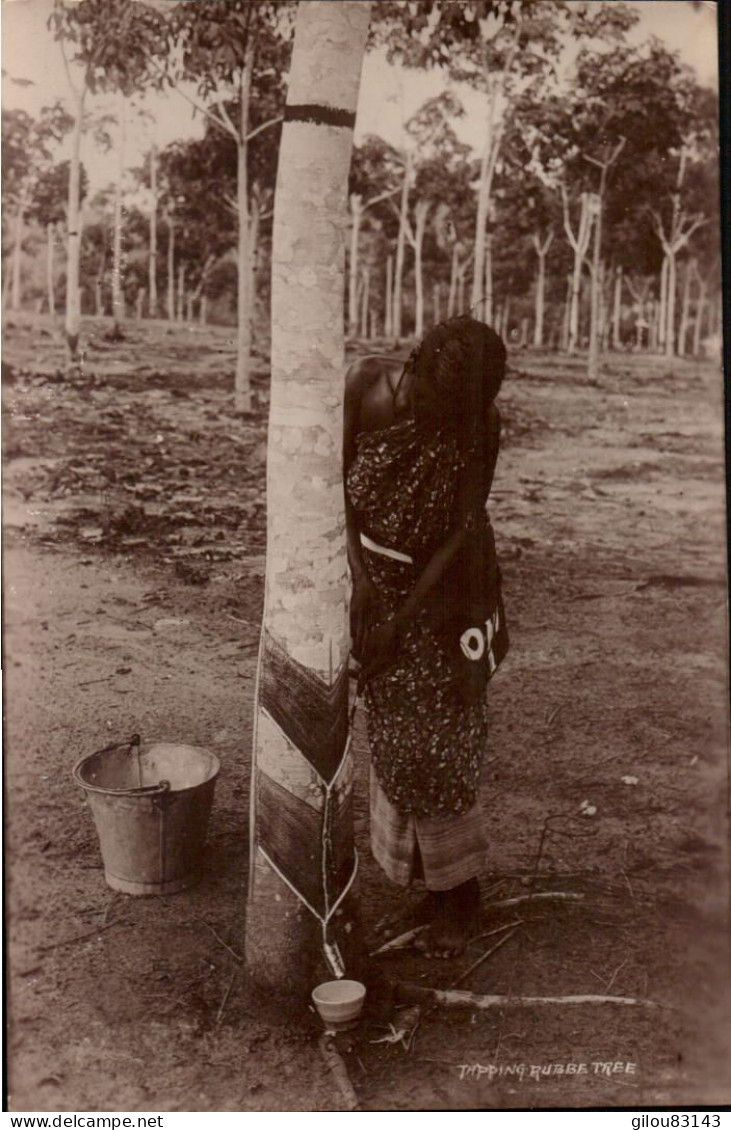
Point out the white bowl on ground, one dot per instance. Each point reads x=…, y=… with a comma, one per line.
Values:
x=339, y=1002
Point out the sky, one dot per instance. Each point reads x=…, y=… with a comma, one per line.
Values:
x=388, y=95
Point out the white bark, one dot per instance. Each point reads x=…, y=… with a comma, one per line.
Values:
x=388, y=313
x=15, y=293
x=73, y=236
x=617, y=310
x=542, y=249
x=242, y=386
x=356, y=212
x=50, y=238
x=152, y=308
x=306, y=577
x=579, y=241
x=171, y=267
x=685, y=312
x=401, y=249
x=117, y=281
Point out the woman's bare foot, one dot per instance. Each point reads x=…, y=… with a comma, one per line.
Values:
x=457, y=920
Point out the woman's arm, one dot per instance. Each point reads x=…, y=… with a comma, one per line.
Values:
x=470, y=494
x=364, y=601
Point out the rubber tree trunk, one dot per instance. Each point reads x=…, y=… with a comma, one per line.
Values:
x=50, y=240
x=356, y=215
x=454, y=271
x=152, y=287
x=181, y=292
x=685, y=311
x=117, y=280
x=567, y=315
x=617, y=311
x=670, y=305
x=73, y=238
x=242, y=386
x=171, y=267
x=299, y=926
x=542, y=252
x=437, y=302
x=16, y=287
x=488, y=279
x=597, y=276
x=662, y=318
x=388, y=312
x=422, y=211
x=398, y=279
x=365, y=305
x=699, y=312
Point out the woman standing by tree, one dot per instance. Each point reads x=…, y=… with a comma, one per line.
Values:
x=420, y=449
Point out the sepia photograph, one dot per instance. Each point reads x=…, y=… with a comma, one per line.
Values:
x=364, y=551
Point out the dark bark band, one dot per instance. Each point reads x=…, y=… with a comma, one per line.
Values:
x=319, y=115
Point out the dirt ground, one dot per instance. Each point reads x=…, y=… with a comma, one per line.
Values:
x=134, y=557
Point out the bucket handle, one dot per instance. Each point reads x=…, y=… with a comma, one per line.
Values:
x=145, y=790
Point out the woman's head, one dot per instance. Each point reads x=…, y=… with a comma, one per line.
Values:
x=458, y=370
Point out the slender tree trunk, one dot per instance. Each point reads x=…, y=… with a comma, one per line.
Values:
x=302, y=857
x=189, y=307
x=98, y=298
x=422, y=211
x=699, y=312
x=242, y=389
x=139, y=302
x=181, y=292
x=542, y=252
x=437, y=304
x=566, y=331
x=461, y=290
x=356, y=214
x=152, y=308
x=685, y=312
x=596, y=289
x=388, y=312
x=203, y=310
x=662, y=318
x=171, y=267
x=366, y=301
x=16, y=289
x=117, y=269
x=671, y=291
x=73, y=236
x=401, y=251
x=506, y=317
x=488, y=278
x=617, y=311
x=454, y=271
x=50, y=239
x=373, y=329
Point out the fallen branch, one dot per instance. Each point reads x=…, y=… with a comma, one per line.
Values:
x=570, y=896
x=462, y=998
x=400, y=942
x=226, y=995
x=338, y=1070
x=489, y=953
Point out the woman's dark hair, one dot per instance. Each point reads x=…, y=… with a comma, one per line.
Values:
x=462, y=361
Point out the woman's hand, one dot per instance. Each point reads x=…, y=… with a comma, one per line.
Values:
x=365, y=605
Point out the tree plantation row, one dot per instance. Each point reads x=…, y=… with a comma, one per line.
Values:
x=585, y=220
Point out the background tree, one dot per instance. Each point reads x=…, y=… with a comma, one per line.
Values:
x=234, y=53
x=48, y=208
x=107, y=46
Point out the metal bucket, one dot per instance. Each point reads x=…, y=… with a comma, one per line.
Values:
x=151, y=805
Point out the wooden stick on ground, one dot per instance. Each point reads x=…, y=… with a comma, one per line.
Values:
x=338, y=1070
x=568, y=896
x=400, y=942
x=459, y=997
